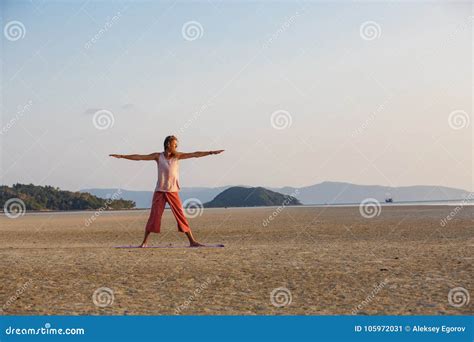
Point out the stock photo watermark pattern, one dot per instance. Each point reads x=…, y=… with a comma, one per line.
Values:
x=107, y=26
x=116, y=195
x=193, y=207
x=459, y=119
x=370, y=208
x=370, y=30
x=458, y=297
x=281, y=297
x=103, y=297
x=326, y=108
x=14, y=208
x=192, y=30
x=14, y=30
x=370, y=297
x=103, y=119
x=280, y=208
x=197, y=293
x=46, y=330
x=281, y=119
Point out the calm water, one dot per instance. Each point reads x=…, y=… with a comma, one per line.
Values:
x=454, y=203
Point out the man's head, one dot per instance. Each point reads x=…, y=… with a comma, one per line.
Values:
x=171, y=143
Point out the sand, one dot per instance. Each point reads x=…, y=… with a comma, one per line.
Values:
x=318, y=261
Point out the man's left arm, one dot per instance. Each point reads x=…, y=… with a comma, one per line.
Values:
x=197, y=154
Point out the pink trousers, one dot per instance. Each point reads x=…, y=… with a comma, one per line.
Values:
x=158, y=206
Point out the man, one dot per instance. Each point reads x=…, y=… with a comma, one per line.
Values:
x=167, y=187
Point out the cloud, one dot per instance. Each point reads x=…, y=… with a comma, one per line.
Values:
x=128, y=106
x=91, y=110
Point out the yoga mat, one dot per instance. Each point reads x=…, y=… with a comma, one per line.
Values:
x=205, y=246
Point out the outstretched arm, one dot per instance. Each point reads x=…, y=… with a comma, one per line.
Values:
x=197, y=154
x=151, y=156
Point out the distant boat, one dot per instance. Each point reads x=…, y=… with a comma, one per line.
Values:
x=389, y=200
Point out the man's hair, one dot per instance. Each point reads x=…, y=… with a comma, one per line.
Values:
x=168, y=140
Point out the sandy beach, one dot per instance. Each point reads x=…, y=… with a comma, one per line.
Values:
x=314, y=260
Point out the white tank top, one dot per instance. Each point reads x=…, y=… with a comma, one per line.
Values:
x=168, y=174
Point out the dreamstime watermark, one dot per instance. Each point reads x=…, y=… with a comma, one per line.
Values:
x=103, y=119
x=194, y=117
x=280, y=208
x=458, y=119
x=103, y=297
x=196, y=293
x=286, y=24
x=192, y=30
x=46, y=330
x=465, y=25
x=21, y=110
x=370, y=297
x=99, y=211
x=107, y=26
x=444, y=221
x=368, y=121
x=17, y=294
x=14, y=208
x=14, y=30
x=280, y=297
x=281, y=119
x=458, y=297
x=370, y=208
x=193, y=207
x=370, y=30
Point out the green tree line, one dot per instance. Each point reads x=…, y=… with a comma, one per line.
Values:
x=47, y=197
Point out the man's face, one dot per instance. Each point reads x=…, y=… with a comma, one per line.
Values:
x=173, y=146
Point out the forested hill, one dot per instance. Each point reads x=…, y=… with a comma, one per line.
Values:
x=37, y=197
x=239, y=196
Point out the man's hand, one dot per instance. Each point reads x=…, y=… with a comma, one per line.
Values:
x=115, y=155
x=216, y=152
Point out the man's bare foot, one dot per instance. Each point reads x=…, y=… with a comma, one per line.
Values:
x=143, y=245
x=195, y=244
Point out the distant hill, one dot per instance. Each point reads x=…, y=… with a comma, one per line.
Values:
x=38, y=197
x=239, y=196
x=143, y=198
x=322, y=193
x=340, y=192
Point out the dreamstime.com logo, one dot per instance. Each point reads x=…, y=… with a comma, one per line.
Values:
x=98, y=212
x=458, y=297
x=279, y=209
x=281, y=119
x=280, y=297
x=14, y=208
x=107, y=26
x=14, y=30
x=444, y=221
x=192, y=30
x=103, y=119
x=196, y=294
x=46, y=330
x=370, y=297
x=286, y=24
x=22, y=110
x=370, y=30
x=370, y=208
x=17, y=294
x=193, y=208
x=103, y=297
x=458, y=119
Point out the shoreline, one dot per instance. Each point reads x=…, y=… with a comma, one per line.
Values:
x=447, y=203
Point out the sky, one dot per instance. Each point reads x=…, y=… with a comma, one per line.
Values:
x=297, y=93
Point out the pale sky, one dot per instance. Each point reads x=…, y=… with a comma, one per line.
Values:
x=372, y=93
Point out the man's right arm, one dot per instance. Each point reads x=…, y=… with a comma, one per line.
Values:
x=151, y=156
